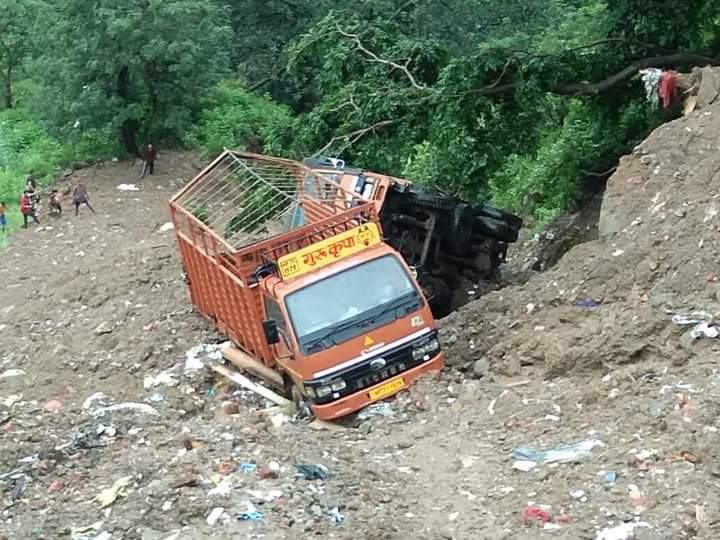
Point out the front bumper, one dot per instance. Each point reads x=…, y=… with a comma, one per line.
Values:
x=354, y=402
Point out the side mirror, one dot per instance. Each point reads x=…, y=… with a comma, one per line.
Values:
x=270, y=329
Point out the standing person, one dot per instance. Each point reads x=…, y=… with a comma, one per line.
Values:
x=27, y=209
x=31, y=188
x=149, y=157
x=81, y=196
x=3, y=219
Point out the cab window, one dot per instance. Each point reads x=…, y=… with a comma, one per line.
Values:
x=272, y=310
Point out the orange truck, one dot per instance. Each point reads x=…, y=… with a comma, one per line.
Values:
x=293, y=268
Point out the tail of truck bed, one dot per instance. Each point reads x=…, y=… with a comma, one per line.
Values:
x=237, y=218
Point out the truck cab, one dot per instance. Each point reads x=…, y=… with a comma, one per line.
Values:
x=353, y=332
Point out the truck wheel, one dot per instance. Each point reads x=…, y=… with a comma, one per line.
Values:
x=440, y=297
x=459, y=235
x=495, y=229
x=512, y=220
x=432, y=200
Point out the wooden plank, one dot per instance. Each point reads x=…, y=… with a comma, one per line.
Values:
x=243, y=381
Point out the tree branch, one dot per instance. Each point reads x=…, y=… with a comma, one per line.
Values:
x=375, y=58
x=670, y=60
x=580, y=89
x=354, y=136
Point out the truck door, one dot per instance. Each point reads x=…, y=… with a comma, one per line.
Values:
x=283, y=349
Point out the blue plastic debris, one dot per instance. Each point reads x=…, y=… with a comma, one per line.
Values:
x=587, y=303
x=248, y=468
x=567, y=453
x=313, y=472
x=249, y=516
x=610, y=476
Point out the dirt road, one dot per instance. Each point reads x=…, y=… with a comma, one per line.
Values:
x=93, y=309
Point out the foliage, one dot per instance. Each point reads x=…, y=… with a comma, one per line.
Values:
x=233, y=117
x=27, y=148
x=470, y=96
x=136, y=67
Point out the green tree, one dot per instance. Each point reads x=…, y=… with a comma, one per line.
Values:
x=137, y=66
x=16, y=20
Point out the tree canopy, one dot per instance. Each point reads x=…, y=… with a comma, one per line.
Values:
x=522, y=102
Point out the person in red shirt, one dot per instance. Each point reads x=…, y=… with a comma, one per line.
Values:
x=27, y=209
x=149, y=157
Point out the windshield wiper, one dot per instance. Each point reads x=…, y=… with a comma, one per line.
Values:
x=331, y=330
x=400, y=301
x=371, y=318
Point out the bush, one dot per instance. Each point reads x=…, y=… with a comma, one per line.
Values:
x=232, y=117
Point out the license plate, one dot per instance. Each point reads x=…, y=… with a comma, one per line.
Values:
x=388, y=388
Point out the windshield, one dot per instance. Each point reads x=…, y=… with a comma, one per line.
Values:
x=343, y=306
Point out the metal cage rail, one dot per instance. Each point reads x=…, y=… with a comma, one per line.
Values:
x=245, y=198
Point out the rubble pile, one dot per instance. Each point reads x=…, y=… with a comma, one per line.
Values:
x=610, y=301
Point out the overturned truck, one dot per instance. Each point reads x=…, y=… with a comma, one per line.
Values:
x=323, y=276
x=442, y=237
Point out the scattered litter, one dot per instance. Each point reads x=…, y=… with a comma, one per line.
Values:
x=167, y=227
x=157, y=398
x=251, y=514
x=215, y=515
x=610, y=476
x=705, y=330
x=136, y=407
x=265, y=496
x=53, y=406
x=248, y=468
x=128, y=187
x=692, y=319
x=535, y=513
x=588, y=303
x=162, y=379
x=104, y=327
x=109, y=495
x=214, y=351
x=12, y=373
x=279, y=419
x=620, y=532
x=562, y=454
x=223, y=489
x=618, y=253
x=524, y=466
x=97, y=396
x=335, y=516
x=376, y=409
x=88, y=532
x=313, y=472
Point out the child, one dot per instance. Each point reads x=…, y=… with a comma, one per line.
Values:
x=27, y=209
x=3, y=220
x=81, y=196
x=55, y=203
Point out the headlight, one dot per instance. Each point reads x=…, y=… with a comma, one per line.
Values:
x=327, y=389
x=322, y=391
x=428, y=348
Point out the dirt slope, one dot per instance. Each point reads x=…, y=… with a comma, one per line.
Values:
x=96, y=304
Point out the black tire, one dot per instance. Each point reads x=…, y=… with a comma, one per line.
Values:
x=440, y=297
x=495, y=229
x=458, y=236
x=512, y=220
x=432, y=200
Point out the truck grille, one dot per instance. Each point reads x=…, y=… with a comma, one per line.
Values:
x=372, y=370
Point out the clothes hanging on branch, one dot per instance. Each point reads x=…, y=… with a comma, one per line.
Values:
x=668, y=88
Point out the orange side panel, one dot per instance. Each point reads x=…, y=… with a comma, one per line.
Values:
x=217, y=293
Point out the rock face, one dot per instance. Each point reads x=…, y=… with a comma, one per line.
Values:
x=607, y=301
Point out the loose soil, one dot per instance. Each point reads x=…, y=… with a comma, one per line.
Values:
x=96, y=303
